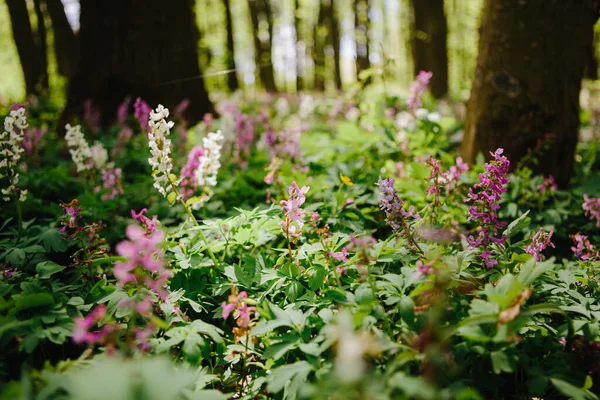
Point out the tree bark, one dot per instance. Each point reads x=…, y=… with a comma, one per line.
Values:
x=361, y=23
x=262, y=49
x=232, y=80
x=26, y=47
x=321, y=40
x=591, y=62
x=66, y=45
x=300, y=63
x=138, y=48
x=429, y=47
x=526, y=86
x=42, y=48
x=335, y=37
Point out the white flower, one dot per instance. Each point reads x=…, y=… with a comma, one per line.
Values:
x=10, y=151
x=421, y=113
x=206, y=173
x=160, y=149
x=81, y=154
x=307, y=106
x=99, y=155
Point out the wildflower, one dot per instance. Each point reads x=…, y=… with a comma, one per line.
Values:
x=91, y=116
x=32, y=139
x=122, y=138
x=141, y=111
x=78, y=147
x=10, y=151
x=391, y=204
x=418, y=89
x=425, y=268
x=82, y=334
x=72, y=211
x=244, y=138
x=189, y=184
x=583, y=249
x=123, y=110
x=272, y=170
x=208, y=168
x=549, y=185
x=294, y=215
x=539, y=242
x=111, y=182
x=485, y=197
x=160, y=149
x=591, y=207
x=436, y=179
x=456, y=171
x=237, y=304
x=343, y=256
x=144, y=261
x=149, y=224
x=99, y=155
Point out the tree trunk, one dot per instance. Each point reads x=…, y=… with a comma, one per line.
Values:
x=321, y=40
x=591, y=62
x=138, y=48
x=430, y=52
x=66, y=46
x=300, y=62
x=232, y=80
x=361, y=22
x=335, y=37
x=26, y=47
x=526, y=87
x=262, y=49
x=42, y=48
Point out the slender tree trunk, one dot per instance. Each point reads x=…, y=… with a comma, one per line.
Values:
x=525, y=95
x=138, y=48
x=591, y=62
x=300, y=61
x=321, y=36
x=361, y=23
x=232, y=80
x=429, y=48
x=66, y=45
x=42, y=48
x=26, y=47
x=262, y=49
x=335, y=37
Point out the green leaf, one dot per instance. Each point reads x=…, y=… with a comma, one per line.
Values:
x=532, y=270
x=208, y=329
x=278, y=350
x=53, y=240
x=281, y=376
x=502, y=362
x=192, y=346
x=517, y=225
x=27, y=301
x=572, y=391
x=15, y=257
x=47, y=268
x=407, y=310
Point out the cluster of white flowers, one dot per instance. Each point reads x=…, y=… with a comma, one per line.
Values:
x=10, y=151
x=81, y=154
x=160, y=148
x=99, y=155
x=206, y=173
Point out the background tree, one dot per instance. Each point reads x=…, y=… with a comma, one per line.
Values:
x=66, y=47
x=335, y=38
x=232, y=80
x=429, y=47
x=33, y=64
x=261, y=10
x=527, y=82
x=138, y=48
x=361, y=35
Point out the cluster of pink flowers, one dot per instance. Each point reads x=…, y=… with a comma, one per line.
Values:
x=82, y=332
x=485, y=197
x=237, y=304
x=591, y=207
x=418, y=89
x=392, y=204
x=32, y=139
x=294, y=214
x=244, y=134
x=549, y=185
x=141, y=111
x=123, y=111
x=583, y=249
x=424, y=269
x=539, y=242
x=70, y=220
x=111, y=183
x=444, y=179
x=284, y=144
x=189, y=183
x=91, y=116
x=144, y=261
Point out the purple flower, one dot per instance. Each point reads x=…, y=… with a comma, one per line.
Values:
x=189, y=183
x=111, y=183
x=391, y=204
x=549, y=185
x=485, y=197
x=149, y=224
x=340, y=256
x=583, y=249
x=424, y=269
x=294, y=214
x=141, y=111
x=539, y=242
x=418, y=89
x=91, y=116
x=123, y=110
x=82, y=334
x=238, y=306
x=591, y=207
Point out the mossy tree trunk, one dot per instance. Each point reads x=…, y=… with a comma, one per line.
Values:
x=66, y=46
x=361, y=35
x=525, y=94
x=261, y=9
x=429, y=47
x=138, y=48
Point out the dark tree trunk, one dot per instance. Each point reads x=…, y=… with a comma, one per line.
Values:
x=526, y=87
x=141, y=48
x=591, y=62
x=66, y=46
x=321, y=40
x=299, y=54
x=42, y=48
x=26, y=47
x=262, y=49
x=429, y=47
x=335, y=37
x=232, y=80
x=361, y=24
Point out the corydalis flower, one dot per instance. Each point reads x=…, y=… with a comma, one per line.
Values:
x=99, y=155
x=144, y=261
x=294, y=214
x=539, y=242
x=189, y=184
x=208, y=168
x=583, y=249
x=549, y=185
x=591, y=207
x=418, y=89
x=111, y=183
x=160, y=149
x=237, y=304
x=392, y=204
x=81, y=154
x=485, y=197
x=10, y=151
x=149, y=224
x=141, y=111
x=82, y=332
x=424, y=269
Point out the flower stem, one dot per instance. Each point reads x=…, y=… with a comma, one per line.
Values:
x=19, y=218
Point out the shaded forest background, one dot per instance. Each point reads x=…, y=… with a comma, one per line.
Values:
x=390, y=32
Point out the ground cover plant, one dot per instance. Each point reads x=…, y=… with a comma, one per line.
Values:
x=308, y=247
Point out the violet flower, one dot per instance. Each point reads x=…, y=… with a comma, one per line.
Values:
x=391, y=204
x=418, y=89
x=149, y=224
x=583, y=249
x=294, y=214
x=539, y=242
x=591, y=207
x=141, y=111
x=189, y=183
x=549, y=185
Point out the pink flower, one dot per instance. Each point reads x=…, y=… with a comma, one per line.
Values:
x=539, y=242
x=425, y=268
x=149, y=224
x=123, y=110
x=591, y=207
x=141, y=111
x=548, y=185
x=418, y=89
x=583, y=249
x=189, y=183
x=294, y=215
x=340, y=256
x=238, y=306
x=82, y=334
x=111, y=183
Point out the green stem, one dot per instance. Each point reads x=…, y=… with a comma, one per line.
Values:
x=19, y=219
